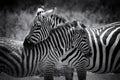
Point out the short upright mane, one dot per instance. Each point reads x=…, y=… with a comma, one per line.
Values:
x=66, y=25
x=60, y=17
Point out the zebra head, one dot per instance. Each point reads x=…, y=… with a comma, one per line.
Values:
x=44, y=22
x=56, y=19
x=39, y=30
x=80, y=40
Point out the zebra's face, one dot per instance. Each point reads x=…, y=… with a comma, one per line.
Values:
x=39, y=31
x=80, y=40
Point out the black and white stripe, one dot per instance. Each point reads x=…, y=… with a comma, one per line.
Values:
x=10, y=49
x=60, y=40
x=51, y=19
x=105, y=43
x=25, y=61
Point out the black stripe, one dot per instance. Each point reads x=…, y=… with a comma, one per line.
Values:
x=77, y=56
x=100, y=53
x=59, y=41
x=117, y=47
x=61, y=37
x=111, y=42
x=95, y=51
x=117, y=64
x=68, y=55
x=107, y=33
x=28, y=62
x=7, y=56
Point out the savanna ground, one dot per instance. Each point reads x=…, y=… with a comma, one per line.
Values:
x=90, y=76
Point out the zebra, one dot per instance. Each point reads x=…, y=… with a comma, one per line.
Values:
x=57, y=38
x=104, y=43
x=16, y=50
x=11, y=56
x=56, y=20
x=20, y=61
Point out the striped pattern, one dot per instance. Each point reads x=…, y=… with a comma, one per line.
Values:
x=105, y=43
x=11, y=48
x=11, y=56
x=60, y=41
x=24, y=61
x=53, y=20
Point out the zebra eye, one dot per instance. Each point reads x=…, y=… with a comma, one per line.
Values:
x=84, y=37
x=38, y=13
x=37, y=26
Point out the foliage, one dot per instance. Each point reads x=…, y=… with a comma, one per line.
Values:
x=16, y=15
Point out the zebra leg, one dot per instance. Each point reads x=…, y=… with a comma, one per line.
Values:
x=48, y=75
x=81, y=72
x=68, y=71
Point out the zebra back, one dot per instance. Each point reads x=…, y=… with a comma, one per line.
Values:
x=104, y=43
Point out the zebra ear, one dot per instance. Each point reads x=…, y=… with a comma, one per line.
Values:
x=40, y=11
x=54, y=10
x=81, y=28
x=48, y=12
x=80, y=25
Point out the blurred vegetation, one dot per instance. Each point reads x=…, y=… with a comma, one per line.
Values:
x=16, y=15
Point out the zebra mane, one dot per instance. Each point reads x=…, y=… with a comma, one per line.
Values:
x=66, y=25
x=58, y=16
x=70, y=27
x=107, y=25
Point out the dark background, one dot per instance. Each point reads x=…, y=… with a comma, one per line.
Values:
x=111, y=6
x=16, y=15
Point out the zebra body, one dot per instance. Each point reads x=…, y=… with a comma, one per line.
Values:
x=60, y=42
x=105, y=43
x=11, y=60
x=17, y=61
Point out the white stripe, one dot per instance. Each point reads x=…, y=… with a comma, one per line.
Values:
x=90, y=40
x=97, y=54
x=110, y=35
x=112, y=48
x=116, y=59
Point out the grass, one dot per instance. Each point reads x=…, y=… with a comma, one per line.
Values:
x=90, y=76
